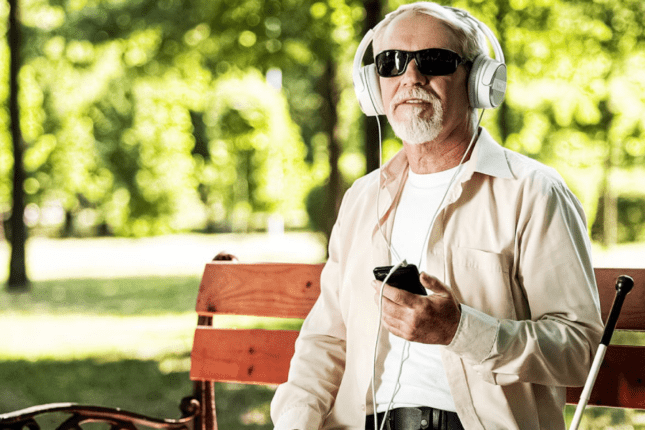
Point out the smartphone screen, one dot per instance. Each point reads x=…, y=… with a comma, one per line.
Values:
x=405, y=278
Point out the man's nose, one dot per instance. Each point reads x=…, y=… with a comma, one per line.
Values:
x=413, y=76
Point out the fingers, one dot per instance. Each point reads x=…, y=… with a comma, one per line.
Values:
x=435, y=285
x=392, y=294
x=393, y=311
x=406, y=298
x=429, y=319
x=225, y=256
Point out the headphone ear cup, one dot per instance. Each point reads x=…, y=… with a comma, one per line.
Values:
x=370, y=98
x=486, y=83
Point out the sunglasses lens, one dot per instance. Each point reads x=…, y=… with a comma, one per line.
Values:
x=432, y=62
x=391, y=63
x=437, y=62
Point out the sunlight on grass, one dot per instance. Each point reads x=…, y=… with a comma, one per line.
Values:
x=80, y=336
x=116, y=296
x=173, y=255
x=630, y=255
x=166, y=338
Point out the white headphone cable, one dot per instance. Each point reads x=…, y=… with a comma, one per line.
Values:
x=378, y=192
x=450, y=184
x=401, y=263
x=406, y=343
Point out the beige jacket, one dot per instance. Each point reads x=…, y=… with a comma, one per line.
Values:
x=512, y=244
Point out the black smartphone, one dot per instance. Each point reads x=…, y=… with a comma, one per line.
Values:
x=405, y=278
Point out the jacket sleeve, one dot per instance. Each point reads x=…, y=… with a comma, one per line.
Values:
x=555, y=346
x=318, y=364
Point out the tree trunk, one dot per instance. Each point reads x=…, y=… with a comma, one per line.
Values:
x=18, y=280
x=330, y=92
x=371, y=144
x=503, y=114
x=610, y=206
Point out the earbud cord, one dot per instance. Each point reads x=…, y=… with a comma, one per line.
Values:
x=404, y=263
x=450, y=184
x=394, y=268
x=378, y=192
x=401, y=263
x=454, y=176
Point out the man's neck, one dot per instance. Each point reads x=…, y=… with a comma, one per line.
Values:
x=438, y=155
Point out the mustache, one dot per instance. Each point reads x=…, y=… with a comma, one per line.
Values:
x=414, y=93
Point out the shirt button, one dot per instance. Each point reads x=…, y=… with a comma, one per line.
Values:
x=363, y=407
x=424, y=423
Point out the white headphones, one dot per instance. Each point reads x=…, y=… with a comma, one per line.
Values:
x=486, y=81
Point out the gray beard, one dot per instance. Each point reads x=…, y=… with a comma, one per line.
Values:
x=415, y=130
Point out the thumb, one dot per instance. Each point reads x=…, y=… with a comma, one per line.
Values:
x=435, y=285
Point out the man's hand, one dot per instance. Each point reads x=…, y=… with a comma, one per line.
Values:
x=225, y=256
x=429, y=319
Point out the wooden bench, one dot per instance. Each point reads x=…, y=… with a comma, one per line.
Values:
x=290, y=290
x=255, y=356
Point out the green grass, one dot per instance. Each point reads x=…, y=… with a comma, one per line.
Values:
x=135, y=385
x=120, y=342
x=112, y=296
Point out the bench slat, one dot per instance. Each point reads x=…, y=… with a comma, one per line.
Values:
x=265, y=290
x=632, y=316
x=621, y=381
x=249, y=356
x=263, y=356
x=290, y=290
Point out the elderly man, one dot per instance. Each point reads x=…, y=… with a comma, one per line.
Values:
x=512, y=314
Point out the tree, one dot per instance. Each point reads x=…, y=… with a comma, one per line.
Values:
x=574, y=100
x=147, y=67
x=373, y=11
x=18, y=280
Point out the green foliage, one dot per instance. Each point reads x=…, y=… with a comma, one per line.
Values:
x=109, y=94
x=576, y=96
x=145, y=117
x=256, y=159
x=631, y=219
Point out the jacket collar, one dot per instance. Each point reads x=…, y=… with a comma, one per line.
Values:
x=490, y=158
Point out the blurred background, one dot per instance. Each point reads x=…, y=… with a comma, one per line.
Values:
x=138, y=138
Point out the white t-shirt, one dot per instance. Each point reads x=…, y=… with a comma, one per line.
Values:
x=423, y=380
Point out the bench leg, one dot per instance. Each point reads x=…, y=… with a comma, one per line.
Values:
x=207, y=418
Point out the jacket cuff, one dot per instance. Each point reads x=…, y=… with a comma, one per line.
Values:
x=299, y=418
x=476, y=335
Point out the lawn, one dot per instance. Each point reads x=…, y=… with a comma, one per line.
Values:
x=121, y=342
x=110, y=322
x=122, y=337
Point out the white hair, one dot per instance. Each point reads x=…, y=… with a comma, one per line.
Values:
x=470, y=39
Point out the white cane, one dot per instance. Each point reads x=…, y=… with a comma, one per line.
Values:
x=624, y=285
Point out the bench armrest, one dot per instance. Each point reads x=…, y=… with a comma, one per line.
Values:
x=80, y=414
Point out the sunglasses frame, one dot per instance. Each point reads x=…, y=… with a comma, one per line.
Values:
x=409, y=55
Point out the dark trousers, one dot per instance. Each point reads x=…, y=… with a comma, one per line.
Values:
x=416, y=419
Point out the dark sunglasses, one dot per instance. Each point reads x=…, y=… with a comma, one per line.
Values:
x=431, y=62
